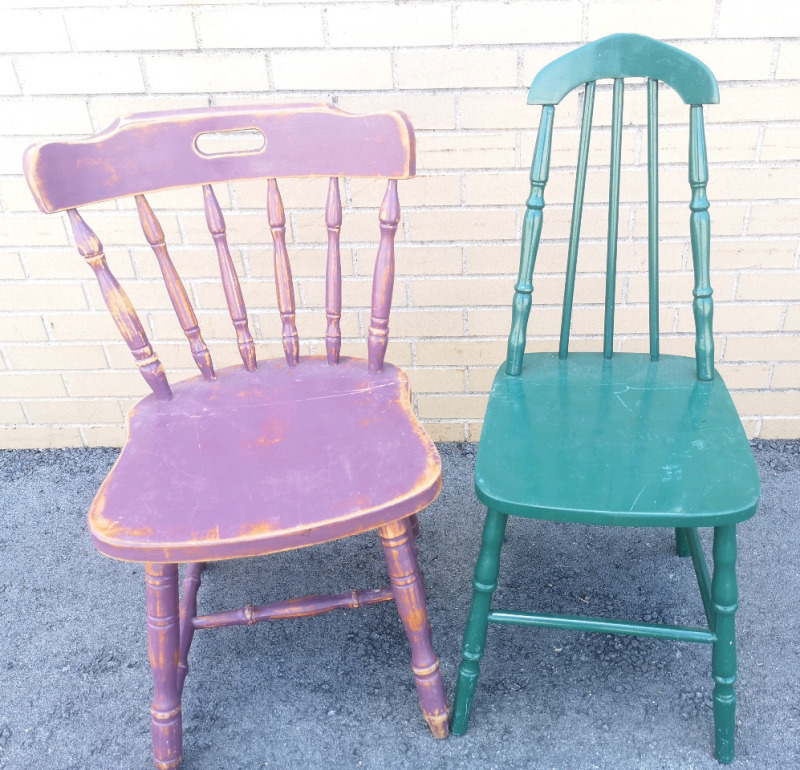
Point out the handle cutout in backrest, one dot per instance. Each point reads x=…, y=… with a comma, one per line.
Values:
x=237, y=141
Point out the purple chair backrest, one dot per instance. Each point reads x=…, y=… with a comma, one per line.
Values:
x=142, y=153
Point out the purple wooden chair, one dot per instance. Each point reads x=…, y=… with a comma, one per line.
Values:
x=265, y=456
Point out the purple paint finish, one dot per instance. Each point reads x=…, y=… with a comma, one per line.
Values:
x=409, y=594
x=303, y=607
x=230, y=281
x=283, y=273
x=120, y=307
x=333, y=273
x=153, y=150
x=188, y=610
x=383, y=279
x=239, y=466
x=163, y=640
x=260, y=459
x=175, y=288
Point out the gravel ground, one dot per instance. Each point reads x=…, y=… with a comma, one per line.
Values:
x=336, y=691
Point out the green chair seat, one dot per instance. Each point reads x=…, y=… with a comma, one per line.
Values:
x=622, y=441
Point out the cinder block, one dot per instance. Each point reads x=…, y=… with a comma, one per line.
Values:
x=39, y=437
x=344, y=70
x=24, y=31
x=80, y=73
x=262, y=28
x=203, y=73
x=679, y=19
x=459, y=225
x=131, y=29
x=519, y=22
x=738, y=18
x=381, y=25
x=457, y=68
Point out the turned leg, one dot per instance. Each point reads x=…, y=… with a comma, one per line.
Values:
x=681, y=542
x=724, y=596
x=163, y=639
x=188, y=611
x=410, y=599
x=487, y=569
x=413, y=520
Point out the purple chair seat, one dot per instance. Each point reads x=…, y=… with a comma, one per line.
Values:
x=264, y=461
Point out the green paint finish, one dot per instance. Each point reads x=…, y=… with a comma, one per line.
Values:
x=723, y=658
x=613, y=219
x=603, y=626
x=701, y=572
x=626, y=56
x=531, y=231
x=652, y=212
x=484, y=584
x=623, y=441
x=700, y=225
x=577, y=212
x=633, y=440
x=681, y=543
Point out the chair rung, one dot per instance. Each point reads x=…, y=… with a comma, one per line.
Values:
x=293, y=608
x=603, y=626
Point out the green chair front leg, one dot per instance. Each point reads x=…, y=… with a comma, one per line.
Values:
x=724, y=595
x=484, y=584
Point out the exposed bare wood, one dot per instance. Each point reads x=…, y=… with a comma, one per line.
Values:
x=383, y=279
x=333, y=283
x=120, y=307
x=230, y=281
x=283, y=273
x=294, y=608
x=175, y=288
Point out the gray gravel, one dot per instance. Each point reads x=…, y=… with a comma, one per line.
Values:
x=336, y=691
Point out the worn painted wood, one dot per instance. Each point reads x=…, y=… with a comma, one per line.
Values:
x=303, y=607
x=323, y=420
x=120, y=307
x=383, y=279
x=635, y=440
x=700, y=223
x=175, y=288
x=163, y=631
x=401, y=560
x=283, y=274
x=254, y=460
x=149, y=151
x=577, y=214
x=230, y=281
x=333, y=273
x=625, y=56
x=188, y=610
x=531, y=232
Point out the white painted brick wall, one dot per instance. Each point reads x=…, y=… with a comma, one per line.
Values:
x=460, y=70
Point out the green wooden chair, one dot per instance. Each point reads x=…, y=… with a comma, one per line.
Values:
x=623, y=439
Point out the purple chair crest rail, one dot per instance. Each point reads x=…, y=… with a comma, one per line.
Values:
x=269, y=455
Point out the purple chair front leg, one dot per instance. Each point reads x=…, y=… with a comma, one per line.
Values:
x=409, y=595
x=163, y=639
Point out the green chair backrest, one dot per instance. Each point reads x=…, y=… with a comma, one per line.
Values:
x=618, y=57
